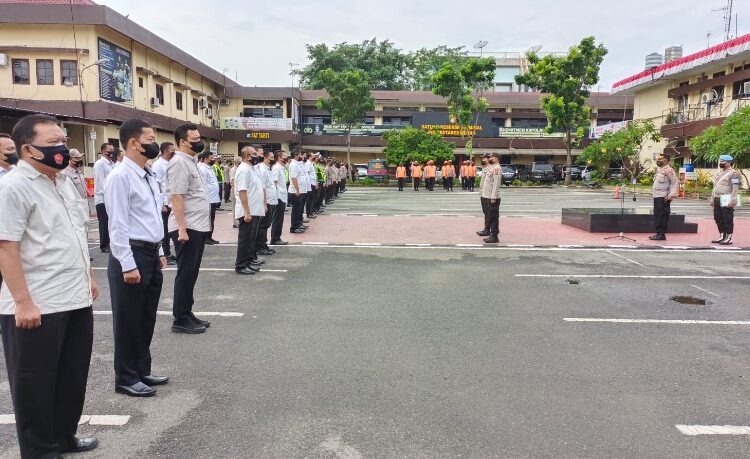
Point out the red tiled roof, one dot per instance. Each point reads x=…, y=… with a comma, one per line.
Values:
x=49, y=2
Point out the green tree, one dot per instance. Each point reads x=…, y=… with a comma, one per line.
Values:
x=385, y=67
x=463, y=83
x=566, y=81
x=424, y=63
x=731, y=138
x=622, y=147
x=348, y=100
x=412, y=144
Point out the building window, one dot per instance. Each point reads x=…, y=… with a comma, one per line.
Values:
x=44, y=73
x=140, y=82
x=537, y=123
x=263, y=113
x=69, y=73
x=178, y=99
x=211, y=110
x=195, y=106
x=504, y=87
x=160, y=93
x=738, y=89
x=397, y=121
x=437, y=109
x=21, y=71
x=308, y=119
x=400, y=109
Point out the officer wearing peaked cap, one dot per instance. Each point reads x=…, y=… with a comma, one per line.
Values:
x=724, y=199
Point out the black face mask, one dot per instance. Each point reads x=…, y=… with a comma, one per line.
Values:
x=197, y=147
x=56, y=157
x=273, y=161
x=76, y=163
x=110, y=155
x=11, y=159
x=254, y=160
x=150, y=150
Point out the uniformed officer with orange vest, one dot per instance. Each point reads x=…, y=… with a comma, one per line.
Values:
x=401, y=176
x=449, y=174
x=416, y=174
x=430, y=172
x=472, y=176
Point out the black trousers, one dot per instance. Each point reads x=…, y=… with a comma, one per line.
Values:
x=221, y=190
x=401, y=182
x=471, y=182
x=493, y=216
x=134, y=315
x=310, y=201
x=261, y=241
x=48, y=368
x=165, y=242
x=278, y=221
x=214, y=206
x=485, y=206
x=724, y=217
x=662, y=209
x=101, y=215
x=319, y=195
x=227, y=191
x=463, y=183
x=417, y=182
x=329, y=194
x=246, y=245
x=450, y=183
x=343, y=185
x=297, y=203
x=189, y=256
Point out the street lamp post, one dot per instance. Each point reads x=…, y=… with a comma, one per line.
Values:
x=293, y=72
x=80, y=92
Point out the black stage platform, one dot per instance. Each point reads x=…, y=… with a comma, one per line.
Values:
x=635, y=221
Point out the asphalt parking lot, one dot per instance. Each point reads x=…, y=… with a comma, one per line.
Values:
x=440, y=352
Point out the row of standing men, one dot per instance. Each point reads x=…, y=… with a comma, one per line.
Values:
x=428, y=172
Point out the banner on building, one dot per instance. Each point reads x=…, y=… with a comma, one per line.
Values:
x=599, y=131
x=256, y=124
x=445, y=124
x=116, y=73
x=528, y=133
x=335, y=129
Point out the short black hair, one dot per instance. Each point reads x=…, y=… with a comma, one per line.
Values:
x=180, y=133
x=165, y=146
x=5, y=136
x=204, y=155
x=132, y=129
x=277, y=154
x=24, y=132
x=104, y=146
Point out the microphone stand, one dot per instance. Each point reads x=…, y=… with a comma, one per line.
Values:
x=622, y=236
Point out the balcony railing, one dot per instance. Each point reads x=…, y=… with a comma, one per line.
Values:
x=700, y=112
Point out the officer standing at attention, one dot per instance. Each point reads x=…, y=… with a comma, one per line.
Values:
x=279, y=180
x=102, y=168
x=401, y=176
x=249, y=208
x=486, y=230
x=416, y=174
x=188, y=225
x=491, y=192
x=724, y=199
x=159, y=168
x=73, y=171
x=664, y=190
x=135, y=278
x=46, y=318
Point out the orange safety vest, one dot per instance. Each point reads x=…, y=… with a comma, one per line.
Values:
x=463, y=171
x=416, y=171
x=430, y=172
x=450, y=171
x=400, y=172
x=472, y=171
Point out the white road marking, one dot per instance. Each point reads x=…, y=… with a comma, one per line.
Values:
x=675, y=247
x=713, y=430
x=623, y=246
x=213, y=269
x=516, y=248
x=704, y=290
x=315, y=243
x=91, y=419
x=334, y=444
x=168, y=313
x=419, y=245
x=520, y=245
x=570, y=246
x=367, y=244
x=468, y=245
x=624, y=258
x=630, y=276
x=659, y=321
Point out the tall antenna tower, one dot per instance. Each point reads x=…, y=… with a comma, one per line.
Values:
x=727, y=10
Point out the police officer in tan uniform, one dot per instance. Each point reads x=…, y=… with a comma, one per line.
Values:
x=485, y=162
x=724, y=199
x=75, y=174
x=663, y=190
x=491, y=195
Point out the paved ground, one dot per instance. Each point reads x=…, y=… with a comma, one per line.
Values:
x=441, y=352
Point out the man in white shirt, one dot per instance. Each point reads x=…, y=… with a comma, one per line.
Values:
x=102, y=167
x=248, y=210
x=269, y=188
x=160, y=169
x=8, y=155
x=312, y=188
x=278, y=177
x=46, y=320
x=297, y=178
x=205, y=165
x=134, y=205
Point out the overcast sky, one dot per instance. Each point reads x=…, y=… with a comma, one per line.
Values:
x=256, y=40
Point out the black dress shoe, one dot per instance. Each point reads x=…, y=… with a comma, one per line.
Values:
x=658, y=237
x=279, y=242
x=82, y=444
x=483, y=233
x=257, y=262
x=211, y=242
x=172, y=258
x=136, y=390
x=297, y=231
x=153, y=380
x=491, y=240
x=188, y=327
x=198, y=321
x=244, y=271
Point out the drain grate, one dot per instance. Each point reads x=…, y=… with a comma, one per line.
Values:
x=689, y=300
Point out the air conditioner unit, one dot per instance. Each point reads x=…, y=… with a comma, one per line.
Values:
x=216, y=123
x=202, y=102
x=155, y=102
x=209, y=113
x=679, y=118
x=3, y=60
x=225, y=101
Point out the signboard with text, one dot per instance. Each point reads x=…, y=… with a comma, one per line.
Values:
x=444, y=124
x=598, y=132
x=334, y=129
x=528, y=133
x=253, y=124
x=116, y=73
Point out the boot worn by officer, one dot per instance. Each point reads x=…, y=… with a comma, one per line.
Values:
x=245, y=271
x=727, y=240
x=82, y=444
x=492, y=239
x=136, y=390
x=483, y=233
x=153, y=380
x=658, y=237
x=198, y=321
x=721, y=238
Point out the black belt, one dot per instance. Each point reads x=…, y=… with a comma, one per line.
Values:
x=152, y=246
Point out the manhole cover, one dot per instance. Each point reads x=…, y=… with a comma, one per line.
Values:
x=689, y=300
x=574, y=282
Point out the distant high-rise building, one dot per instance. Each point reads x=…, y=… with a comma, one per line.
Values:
x=672, y=53
x=654, y=60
